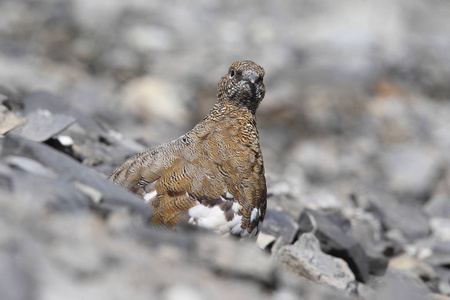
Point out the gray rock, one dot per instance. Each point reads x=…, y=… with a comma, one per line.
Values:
x=440, y=253
x=57, y=105
x=394, y=215
x=367, y=230
x=10, y=99
x=45, y=188
x=440, y=228
x=444, y=283
x=279, y=224
x=411, y=171
x=17, y=279
x=29, y=165
x=438, y=206
x=80, y=255
x=335, y=241
x=305, y=258
x=71, y=171
x=283, y=195
x=182, y=291
x=414, y=267
x=229, y=258
x=400, y=285
x=40, y=125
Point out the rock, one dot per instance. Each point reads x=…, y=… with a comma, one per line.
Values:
x=57, y=105
x=29, y=165
x=440, y=253
x=305, y=258
x=40, y=125
x=322, y=199
x=411, y=230
x=367, y=230
x=182, y=291
x=10, y=99
x=265, y=241
x=227, y=257
x=377, y=263
x=439, y=297
x=335, y=241
x=71, y=171
x=400, y=285
x=5, y=178
x=286, y=196
x=388, y=210
x=150, y=98
x=414, y=266
x=18, y=279
x=440, y=228
x=158, y=104
x=8, y=121
x=318, y=161
x=149, y=38
x=279, y=224
x=444, y=283
x=80, y=255
x=53, y=194
x=95, y=195
x=411, y=171
x=438, y=206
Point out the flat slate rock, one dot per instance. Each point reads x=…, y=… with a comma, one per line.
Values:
x=72, y=171
x=28, y=165
x=279, y=224
x=305, y=258
x=394, y=215
x=40, y=125
x=57, y=105
x=336, y=241
x=54, y=194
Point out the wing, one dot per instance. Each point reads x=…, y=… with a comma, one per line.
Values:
x=140, y=172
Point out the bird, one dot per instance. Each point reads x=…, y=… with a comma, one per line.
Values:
x=213, y=176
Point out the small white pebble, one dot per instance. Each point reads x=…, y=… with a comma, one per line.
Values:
x=65, y=140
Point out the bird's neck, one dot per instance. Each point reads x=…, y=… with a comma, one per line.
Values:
x=249, y=104
x=226, y=108
x=226, y=114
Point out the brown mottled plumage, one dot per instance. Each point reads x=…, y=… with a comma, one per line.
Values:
x=213, y=175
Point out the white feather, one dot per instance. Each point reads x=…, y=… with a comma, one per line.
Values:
x=214, y=219
x=236, y=207
x=255, y=214
x=149, y=196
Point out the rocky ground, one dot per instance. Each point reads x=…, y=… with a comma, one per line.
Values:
x=355, y=132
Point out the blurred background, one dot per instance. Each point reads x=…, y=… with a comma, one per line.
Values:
x=357, y=94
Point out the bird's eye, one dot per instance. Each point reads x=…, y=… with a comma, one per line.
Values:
x=232, y=73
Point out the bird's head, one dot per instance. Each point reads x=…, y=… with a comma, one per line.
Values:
x=243, y=85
